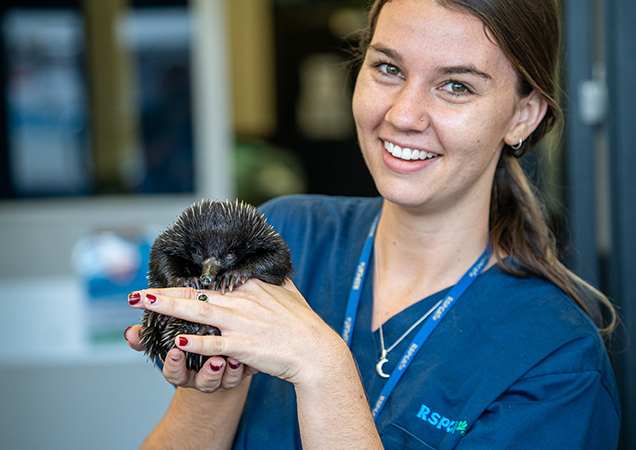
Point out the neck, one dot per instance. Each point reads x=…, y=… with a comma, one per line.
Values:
x=417, y=255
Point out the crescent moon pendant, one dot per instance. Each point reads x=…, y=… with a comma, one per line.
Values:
x=378, y=368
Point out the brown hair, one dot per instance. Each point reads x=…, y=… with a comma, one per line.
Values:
x=527, y=31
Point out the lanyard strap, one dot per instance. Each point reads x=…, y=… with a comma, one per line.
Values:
x=358, y=282
x=429, y=325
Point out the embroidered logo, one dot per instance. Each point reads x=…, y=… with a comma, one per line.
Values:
x=441, y=422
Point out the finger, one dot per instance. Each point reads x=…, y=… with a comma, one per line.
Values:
x=233, y=374
x=135, y=298
x=133, y=338
x=180, y=292
x=209, y=378
x=249, y=371
x=202, y=345
x=234, y=371
x=199, y=312
x=174, y=368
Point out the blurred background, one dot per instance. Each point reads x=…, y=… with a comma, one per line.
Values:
x=115, y=115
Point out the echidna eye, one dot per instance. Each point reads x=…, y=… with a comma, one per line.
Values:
x=186, y=269
x=229, y=257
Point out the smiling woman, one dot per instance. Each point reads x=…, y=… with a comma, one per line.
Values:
x=453, y=268
x=450, y=92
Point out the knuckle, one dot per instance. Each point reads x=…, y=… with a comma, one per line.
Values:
x=205, y=345
x=207, y=383
x=214, y=346
x=218, y=347
x=230, y=382
x=206, y=389
x=250, y=371
x=232, y=378
x=174, y=377
x=205, y=311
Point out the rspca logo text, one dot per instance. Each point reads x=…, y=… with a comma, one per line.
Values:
x=441, y=422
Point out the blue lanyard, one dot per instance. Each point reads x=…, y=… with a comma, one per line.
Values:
x=429, y=325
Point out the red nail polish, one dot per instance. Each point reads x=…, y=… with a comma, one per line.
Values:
x=234, y=366
x=183, y=341
x=151, y=298
x=134, y=298
x=215, y=368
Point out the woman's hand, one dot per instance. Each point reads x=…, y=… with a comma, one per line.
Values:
x=216, y=373
x=271, y=329
x=267, y=328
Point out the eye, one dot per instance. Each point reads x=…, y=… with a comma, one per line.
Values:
x=456, y=88
x=391, y=69
x=184, y=267
x=388, y=69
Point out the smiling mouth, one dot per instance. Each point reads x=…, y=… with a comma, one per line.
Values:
x=407, y=154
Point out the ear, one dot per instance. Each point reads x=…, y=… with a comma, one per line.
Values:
x=529, y=114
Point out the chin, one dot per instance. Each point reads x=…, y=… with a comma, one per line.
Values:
x=401, y=197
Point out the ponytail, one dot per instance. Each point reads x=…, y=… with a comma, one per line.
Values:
x=519, y=229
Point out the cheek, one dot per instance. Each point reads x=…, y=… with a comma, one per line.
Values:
x=480, y=129
x=356, y=106
x=367, y=104
x=359, y=104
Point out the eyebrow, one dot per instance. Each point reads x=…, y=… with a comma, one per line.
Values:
x=388, y=52
x=469, y=69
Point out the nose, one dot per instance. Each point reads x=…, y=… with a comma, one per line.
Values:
x=211, y=268
x=409, y=110
x=206, y=280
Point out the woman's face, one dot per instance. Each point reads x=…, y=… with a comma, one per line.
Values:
x=434, y=102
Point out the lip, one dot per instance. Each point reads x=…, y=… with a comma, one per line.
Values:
x=401, y=165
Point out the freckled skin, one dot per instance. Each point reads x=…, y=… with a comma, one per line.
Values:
x=441, y=89
x=212, y=245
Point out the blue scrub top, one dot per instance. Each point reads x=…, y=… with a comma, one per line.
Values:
x=515, y=363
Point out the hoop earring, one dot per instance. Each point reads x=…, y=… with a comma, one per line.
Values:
x=518, y=146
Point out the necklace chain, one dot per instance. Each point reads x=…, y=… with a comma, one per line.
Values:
x=406, y=333
x=385, y=351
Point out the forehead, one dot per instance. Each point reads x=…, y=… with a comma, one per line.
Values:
x=432, y=34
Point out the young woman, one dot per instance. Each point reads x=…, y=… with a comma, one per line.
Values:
x=436, y=316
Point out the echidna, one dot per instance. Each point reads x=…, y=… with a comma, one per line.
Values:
x=212, y=245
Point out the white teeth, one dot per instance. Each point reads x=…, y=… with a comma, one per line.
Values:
x=407, y=154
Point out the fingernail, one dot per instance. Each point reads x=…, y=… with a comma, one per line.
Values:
x=134, y=298
x=215, y=368
x=125, y=331
x=183, y=341
x=234, y=365
x=151, y=298
x=176, y=358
